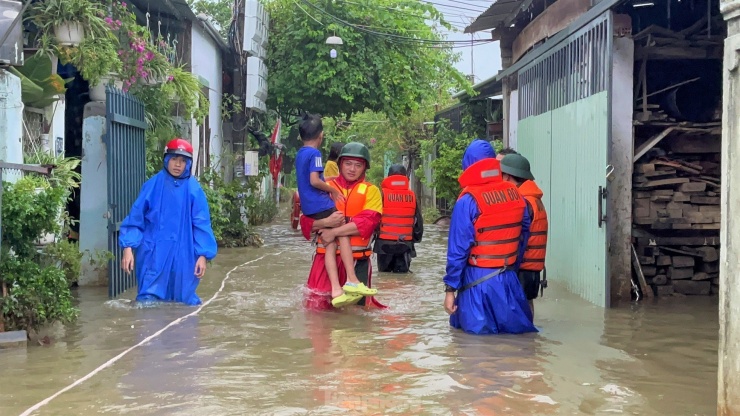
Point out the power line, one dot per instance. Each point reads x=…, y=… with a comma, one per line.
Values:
x=418, y=41
x=455, y=7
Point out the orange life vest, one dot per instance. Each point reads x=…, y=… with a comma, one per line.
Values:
x=399, y=209
x=498, y=229
x=534, y=256
x=354, y=204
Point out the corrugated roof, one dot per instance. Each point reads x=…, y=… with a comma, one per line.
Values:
x=495, y=15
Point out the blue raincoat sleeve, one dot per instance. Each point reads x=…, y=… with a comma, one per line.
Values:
x=461, y=239
x=526, y=223
x=205, y=241
x=133, y=226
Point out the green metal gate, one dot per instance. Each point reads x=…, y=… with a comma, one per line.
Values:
x=564, y=130
x=125, y=146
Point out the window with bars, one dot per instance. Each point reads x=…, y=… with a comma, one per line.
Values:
x=576, y=69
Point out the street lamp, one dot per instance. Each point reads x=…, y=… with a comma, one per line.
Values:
x=334, y=40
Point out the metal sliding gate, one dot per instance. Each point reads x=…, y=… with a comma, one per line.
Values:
x=564, y=130
x=125, y=143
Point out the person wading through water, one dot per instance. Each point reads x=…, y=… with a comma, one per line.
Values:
x=169, y=226
x=517, y=171
x=402, y=224
x=318, y=201
x=357, y=217
x=489, y=227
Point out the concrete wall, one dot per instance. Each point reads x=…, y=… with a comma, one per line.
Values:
x=93, y=192
x=56, y=113
x=619, y=187
x=728, y=400
x=11, y=122
x=206, y=63
x=513, y=118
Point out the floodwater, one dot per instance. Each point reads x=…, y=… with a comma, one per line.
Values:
x=254, y=351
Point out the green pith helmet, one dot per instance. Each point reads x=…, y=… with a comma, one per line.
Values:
x=355, y=149
x=516, y=165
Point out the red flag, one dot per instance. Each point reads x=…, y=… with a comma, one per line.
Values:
x=276, y=161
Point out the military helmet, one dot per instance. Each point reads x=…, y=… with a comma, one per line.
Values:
x=516, y=165
x=357, y=150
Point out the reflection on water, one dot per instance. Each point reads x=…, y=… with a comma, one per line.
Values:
x=254, y=350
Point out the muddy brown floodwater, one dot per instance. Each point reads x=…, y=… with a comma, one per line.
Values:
x=255, y=351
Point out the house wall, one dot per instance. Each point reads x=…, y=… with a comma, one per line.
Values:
x=11, y=123
x=619, y=204
x=206, y=63
x=93, y=193
x=513, y=118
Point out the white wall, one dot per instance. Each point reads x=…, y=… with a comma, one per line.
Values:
x=93, y=192
x=513, y=120
x=11, y=122
x=206, y=62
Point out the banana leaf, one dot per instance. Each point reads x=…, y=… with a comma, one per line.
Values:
x=39, y=87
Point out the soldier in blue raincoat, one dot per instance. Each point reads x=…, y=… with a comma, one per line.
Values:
x=488, y=229
x=169, y=227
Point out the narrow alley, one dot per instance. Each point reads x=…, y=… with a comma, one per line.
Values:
x=254, y=350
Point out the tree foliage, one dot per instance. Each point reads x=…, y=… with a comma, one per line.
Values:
x=447, y=148
x=384, y=72
x=219, y=11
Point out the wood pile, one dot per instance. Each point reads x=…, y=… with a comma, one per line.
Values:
x=685, y=265
x=676, y=212
x=697, y=41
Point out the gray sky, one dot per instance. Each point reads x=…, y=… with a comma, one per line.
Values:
x=486, y=58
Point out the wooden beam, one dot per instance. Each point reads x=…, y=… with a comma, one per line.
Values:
x=677, y=52
x=646, y=290
x=554, y=19
x=640, y=152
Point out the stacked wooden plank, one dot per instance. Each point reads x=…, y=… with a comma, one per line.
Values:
x=671, y=267
x=676, y=213
x=663, y=200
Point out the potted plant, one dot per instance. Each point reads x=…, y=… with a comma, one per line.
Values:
x=184, y=88
x=97, y=60
x=69, y=20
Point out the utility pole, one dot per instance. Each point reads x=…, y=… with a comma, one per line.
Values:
x=728, y=398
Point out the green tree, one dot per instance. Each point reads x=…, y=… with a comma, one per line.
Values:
x=220, y=12
x=378, y=68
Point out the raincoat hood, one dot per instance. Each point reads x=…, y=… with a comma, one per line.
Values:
x=185, y=173
x=397, y=170
x=530, y=188
x=477, y=151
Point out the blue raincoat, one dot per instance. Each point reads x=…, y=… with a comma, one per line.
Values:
x=498, y=305
x=169, y=228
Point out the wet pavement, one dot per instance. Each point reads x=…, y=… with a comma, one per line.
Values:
x=255, y=351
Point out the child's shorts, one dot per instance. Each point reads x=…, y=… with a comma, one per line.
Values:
x=323, y=214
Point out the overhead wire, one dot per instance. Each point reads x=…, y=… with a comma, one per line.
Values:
x=394, y=37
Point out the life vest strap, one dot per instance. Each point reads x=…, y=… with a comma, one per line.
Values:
x=481, y=280
x=500, y=227
x=397, y=216
x=493, y=243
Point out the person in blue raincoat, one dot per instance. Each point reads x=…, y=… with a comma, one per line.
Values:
x=169, y=227
x=488, y=229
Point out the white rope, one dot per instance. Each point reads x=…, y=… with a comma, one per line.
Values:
x=144, y=341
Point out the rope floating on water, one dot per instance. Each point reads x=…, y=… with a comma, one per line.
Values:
x=113, y=360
